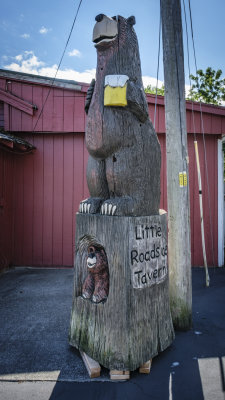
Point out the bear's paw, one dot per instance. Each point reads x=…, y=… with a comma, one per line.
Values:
x=118, y=206
x=91, y=205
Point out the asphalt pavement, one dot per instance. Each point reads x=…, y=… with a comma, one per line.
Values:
x=37, y=362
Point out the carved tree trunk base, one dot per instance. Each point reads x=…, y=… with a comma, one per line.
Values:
x=134, y=323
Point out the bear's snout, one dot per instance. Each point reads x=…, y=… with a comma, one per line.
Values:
x=99, y=17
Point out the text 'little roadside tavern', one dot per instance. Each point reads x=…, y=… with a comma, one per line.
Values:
x=148, y=256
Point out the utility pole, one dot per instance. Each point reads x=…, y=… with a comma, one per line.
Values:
x=179, y=246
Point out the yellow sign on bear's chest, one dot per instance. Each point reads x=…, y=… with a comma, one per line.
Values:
x=115, y=93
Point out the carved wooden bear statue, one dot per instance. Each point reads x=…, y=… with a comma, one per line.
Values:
x=96, y=285
x=123, y=173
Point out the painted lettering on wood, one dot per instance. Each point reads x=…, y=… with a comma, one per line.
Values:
x=148, y=254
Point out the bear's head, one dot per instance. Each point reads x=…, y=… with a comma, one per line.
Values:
x=96, y=259
x=109, y=30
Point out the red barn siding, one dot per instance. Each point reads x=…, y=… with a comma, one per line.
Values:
x=49, y=185
x=54, y=182
x=43, y=190
x=210, y=222
x=63, y=110
x=6, y=209
x=1, y=114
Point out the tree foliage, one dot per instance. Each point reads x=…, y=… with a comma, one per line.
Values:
x=152, y=90
x=208, y=86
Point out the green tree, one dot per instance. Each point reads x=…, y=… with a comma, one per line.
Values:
x=208, y=86
x=152, y=90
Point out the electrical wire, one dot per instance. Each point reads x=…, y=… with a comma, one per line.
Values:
x=159, y=46
x=182, y=132
x=60, y=62
x=189, y=69
x=203, y=131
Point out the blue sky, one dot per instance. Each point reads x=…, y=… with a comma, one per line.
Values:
x=33, y=35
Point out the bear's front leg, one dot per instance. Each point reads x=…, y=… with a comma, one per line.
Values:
x=88, y=287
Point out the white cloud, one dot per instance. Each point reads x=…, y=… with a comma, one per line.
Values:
x=26, y=62
x=148, y=80
x=44, y=30
x=19, y=57
x=74, y=53
x=187, y=90
x=70, y=74
x=30, y=64
x=25, y=35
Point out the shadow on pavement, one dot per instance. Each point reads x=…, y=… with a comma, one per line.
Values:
x=35, y=309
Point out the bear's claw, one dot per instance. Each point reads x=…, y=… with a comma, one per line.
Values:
x=98, y=299
x=108, y=209
x=90, y=206
x=86, y=295
x=84, y=208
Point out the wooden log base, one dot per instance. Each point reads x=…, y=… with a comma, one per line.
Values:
x=116, y=375
x=136, y=250
x=93, y=367
x=146, y=367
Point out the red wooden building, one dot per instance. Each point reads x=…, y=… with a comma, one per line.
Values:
x=42, y=170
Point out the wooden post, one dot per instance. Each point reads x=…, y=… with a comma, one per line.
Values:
x=177, y=166
x=93, y=367
x=201, y=213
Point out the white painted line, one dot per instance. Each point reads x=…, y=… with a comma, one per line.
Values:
x=211, y=377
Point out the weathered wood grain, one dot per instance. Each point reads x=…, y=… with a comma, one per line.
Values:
x=146, y=367
x=124, y=164
x=116, y=375
x=179, y=241
x=93, y=367
x=134, y=324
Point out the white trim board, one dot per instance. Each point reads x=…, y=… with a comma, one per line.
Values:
x=220, y=205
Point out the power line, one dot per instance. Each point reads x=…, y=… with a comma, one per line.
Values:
x=67, y=42
x=192, y=35
x=189, y=69
x=202, y=128
x=160, y=23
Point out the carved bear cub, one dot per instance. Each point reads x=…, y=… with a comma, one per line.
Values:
x=123, y=173
x=96, y=285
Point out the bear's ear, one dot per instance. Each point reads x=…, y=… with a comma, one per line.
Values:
x=131, y=20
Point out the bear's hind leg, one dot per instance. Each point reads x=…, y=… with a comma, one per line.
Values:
x=101, y=288
x=97, y=185
x=88, y=287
